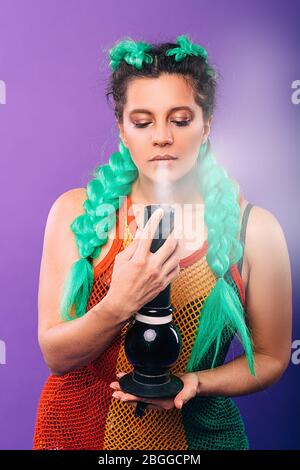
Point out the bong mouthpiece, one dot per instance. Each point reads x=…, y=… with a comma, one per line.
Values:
x=165, y=226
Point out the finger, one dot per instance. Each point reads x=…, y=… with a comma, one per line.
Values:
x=171, y=264
x=119, y=395
x=163, y=404
x=125, y=396
x=129, y=251
x=148, y=233
x=115, y=385
x=129, y=397
x=121, y=374
x=172, y=275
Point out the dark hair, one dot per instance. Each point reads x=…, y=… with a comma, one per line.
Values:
x=200, y=75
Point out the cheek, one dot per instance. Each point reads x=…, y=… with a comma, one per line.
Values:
x=136, y=134
x=136, y=143
x=188, y=146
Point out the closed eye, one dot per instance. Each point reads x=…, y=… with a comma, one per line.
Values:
x=178, y=123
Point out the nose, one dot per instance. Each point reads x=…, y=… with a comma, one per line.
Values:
x=162, y=135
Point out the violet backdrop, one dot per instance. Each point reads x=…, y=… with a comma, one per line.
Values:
x=55, y=127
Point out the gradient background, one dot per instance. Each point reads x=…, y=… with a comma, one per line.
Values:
x=56, y=126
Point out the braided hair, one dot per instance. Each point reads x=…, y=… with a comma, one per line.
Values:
x=112, y=182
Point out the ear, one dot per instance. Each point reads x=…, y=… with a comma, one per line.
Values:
x=207, y=126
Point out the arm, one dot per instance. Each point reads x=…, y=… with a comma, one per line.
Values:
x=269, y=311
x=75, y=343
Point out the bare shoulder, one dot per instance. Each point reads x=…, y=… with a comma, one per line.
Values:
x=265, y=235
x=69, y=202
x=65, y=209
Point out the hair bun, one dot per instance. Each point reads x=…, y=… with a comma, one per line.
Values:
x=133, y=52
x=186, y=47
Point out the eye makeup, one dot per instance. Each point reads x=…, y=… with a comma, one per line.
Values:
x=178, y=123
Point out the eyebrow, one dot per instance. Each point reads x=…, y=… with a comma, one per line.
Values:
x=177, y=108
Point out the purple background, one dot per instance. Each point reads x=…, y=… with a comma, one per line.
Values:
x=56, y=126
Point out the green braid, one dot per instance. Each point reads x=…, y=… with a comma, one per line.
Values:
x=134, y=53
x=104, y=195
x=222, y=308
x=186, y=48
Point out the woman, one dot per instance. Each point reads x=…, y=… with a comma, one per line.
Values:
x=164, y=98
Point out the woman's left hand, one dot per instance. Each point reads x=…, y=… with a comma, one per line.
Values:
x=190, y=381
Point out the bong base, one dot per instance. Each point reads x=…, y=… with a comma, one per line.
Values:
x=169, y=389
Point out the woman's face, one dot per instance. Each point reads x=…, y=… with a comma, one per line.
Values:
x=161, y=117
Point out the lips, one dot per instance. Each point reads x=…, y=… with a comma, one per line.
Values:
x=163, y=157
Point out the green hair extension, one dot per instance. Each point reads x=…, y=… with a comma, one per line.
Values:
x=133, y=52
x=222, y=308
x=77, y=288
x=186, y=47
x=105, y=194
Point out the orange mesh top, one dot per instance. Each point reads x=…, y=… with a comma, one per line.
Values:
x=77, y=410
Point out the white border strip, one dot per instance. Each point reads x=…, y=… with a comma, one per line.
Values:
x=153, y=320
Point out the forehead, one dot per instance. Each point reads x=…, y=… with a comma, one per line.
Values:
x=164, y=92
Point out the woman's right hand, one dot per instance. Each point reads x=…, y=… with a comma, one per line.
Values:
x=139, y=275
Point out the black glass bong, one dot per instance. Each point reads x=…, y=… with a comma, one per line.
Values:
x=153, y=343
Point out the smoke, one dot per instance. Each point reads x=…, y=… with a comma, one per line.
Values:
x=163, y=188
x=188, y=218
